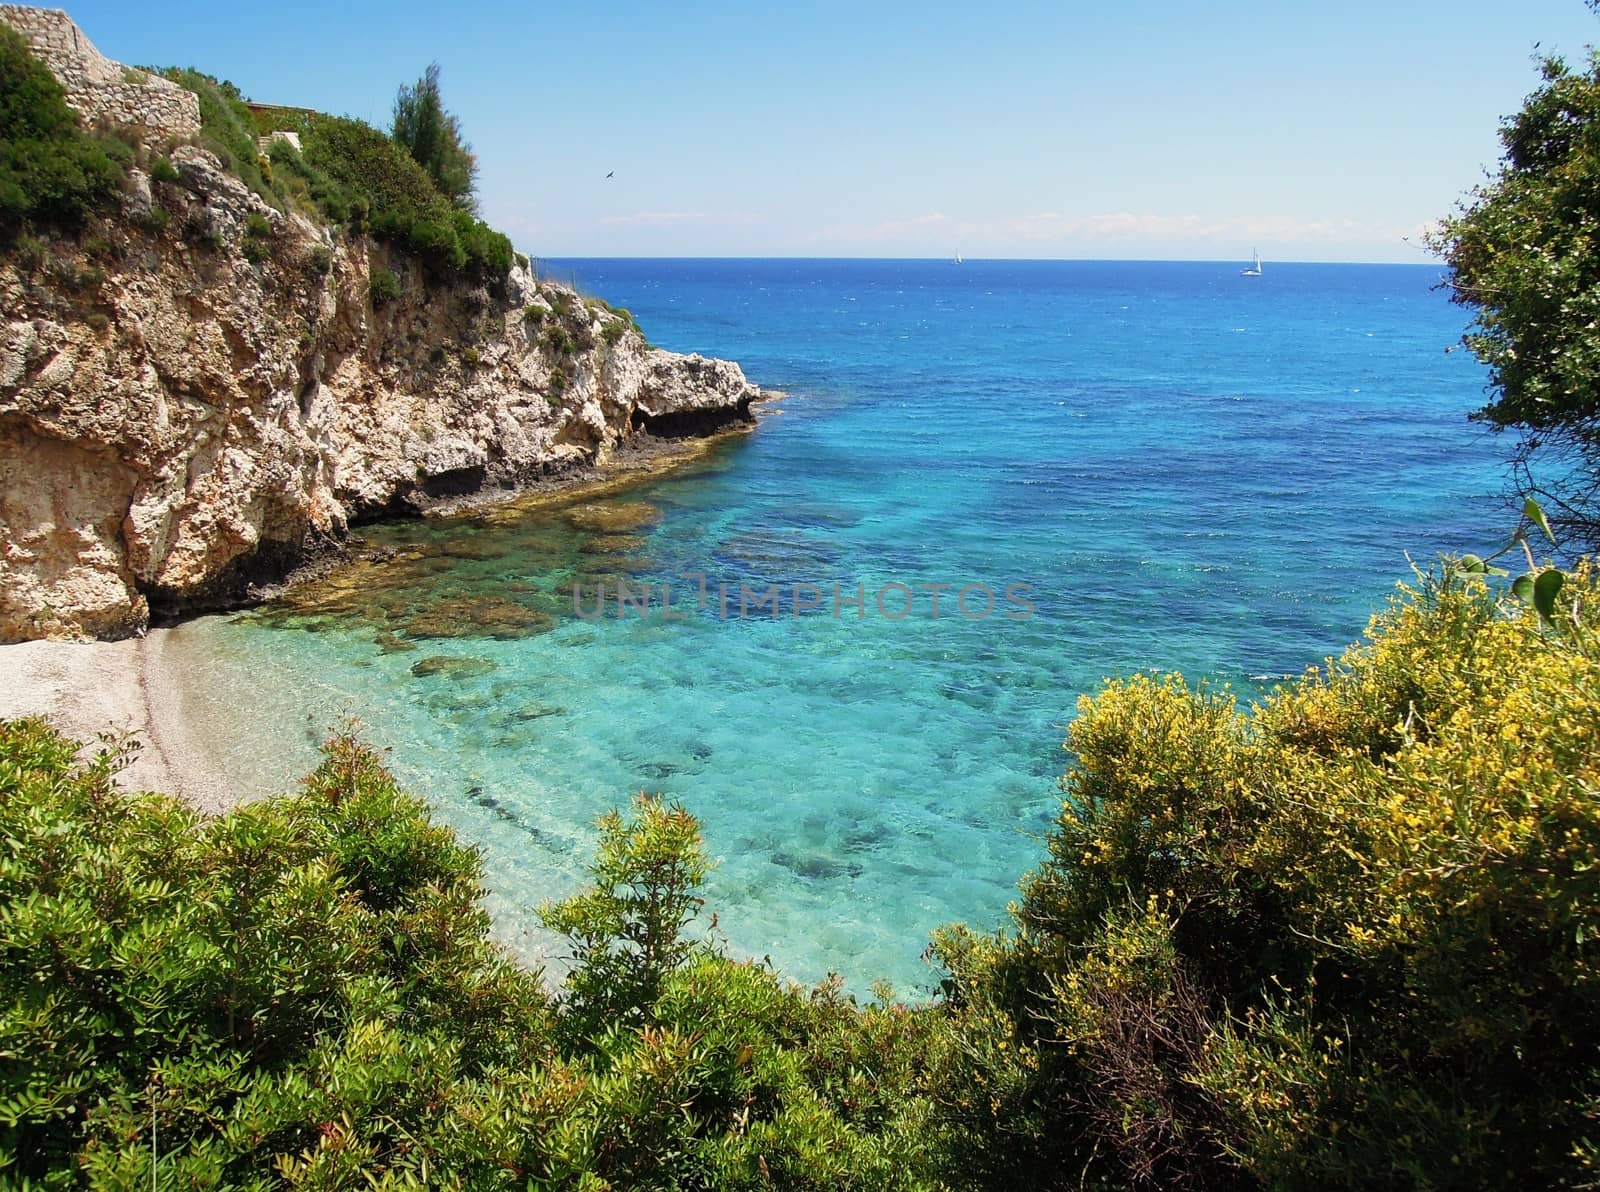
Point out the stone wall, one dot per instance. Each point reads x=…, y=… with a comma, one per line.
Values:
x=100, y=89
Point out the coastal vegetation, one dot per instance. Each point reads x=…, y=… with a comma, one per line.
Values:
x=412, y=189
x=373, y=183
x=1521, y=253
x=1341, y=937
x=352, y=175
x=1344, y=935
x=52, y=172
x=302, y=993
x=227, y=132
x=433, y=138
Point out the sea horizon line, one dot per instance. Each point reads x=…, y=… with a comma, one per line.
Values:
x=1226, y=262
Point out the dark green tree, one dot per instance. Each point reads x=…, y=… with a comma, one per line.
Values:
x=433, y=137
x=1522, y=252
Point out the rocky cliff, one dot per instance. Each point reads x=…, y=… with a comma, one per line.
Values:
x=199, y=390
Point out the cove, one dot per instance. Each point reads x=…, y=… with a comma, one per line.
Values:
x=1180, y=470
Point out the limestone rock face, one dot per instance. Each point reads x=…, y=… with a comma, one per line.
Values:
x=188, y=407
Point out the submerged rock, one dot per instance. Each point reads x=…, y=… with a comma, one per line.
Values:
x=478, y=616
x=817, y=866
x=452, y=667
x=374, y=588
x=477, y=548
x=613, y=517
x=614, y=544
x=463, y=708
x=780, y=554
x=538, y=711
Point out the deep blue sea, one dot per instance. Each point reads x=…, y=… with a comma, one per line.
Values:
x=1178, y=468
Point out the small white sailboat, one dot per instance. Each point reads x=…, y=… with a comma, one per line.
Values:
x=1255, y=269
x=957, y=261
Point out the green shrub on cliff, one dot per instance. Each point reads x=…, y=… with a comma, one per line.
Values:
x=302, y=994
x=227, y=130
x=398, y=200
x=162, y=170
x=384, y=288
x=307, y=188
x=51, y=171
x=349, y=173
x=1345, y=939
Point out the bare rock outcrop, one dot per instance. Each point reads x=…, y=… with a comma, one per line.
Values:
x=189, y=406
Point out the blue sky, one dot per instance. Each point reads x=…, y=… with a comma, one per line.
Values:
x=1164, y=130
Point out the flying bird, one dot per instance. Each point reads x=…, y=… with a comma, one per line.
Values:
x=612, y=172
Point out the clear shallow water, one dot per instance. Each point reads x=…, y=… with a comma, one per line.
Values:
x=1190, y=470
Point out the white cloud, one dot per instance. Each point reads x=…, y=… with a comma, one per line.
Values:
x=1043, y=233
x=892, y=230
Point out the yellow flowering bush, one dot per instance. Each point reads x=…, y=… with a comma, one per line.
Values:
x=1345, y=935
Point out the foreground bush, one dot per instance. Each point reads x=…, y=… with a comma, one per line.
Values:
x=1342, y=939
x=1346, y=939
x=302, y=994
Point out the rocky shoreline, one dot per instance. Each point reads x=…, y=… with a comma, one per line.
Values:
x=641, y=459
x=202, y=394
x=129, y=688
x=181, y=453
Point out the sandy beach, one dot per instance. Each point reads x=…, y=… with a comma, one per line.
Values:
x=89, y=688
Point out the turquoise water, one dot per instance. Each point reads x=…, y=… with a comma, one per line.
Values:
x=1184, y=469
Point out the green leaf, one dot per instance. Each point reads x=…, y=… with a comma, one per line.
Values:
x=1472, y=565
x=1522, y=587
x=1545, y=590
x=1532, y=511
